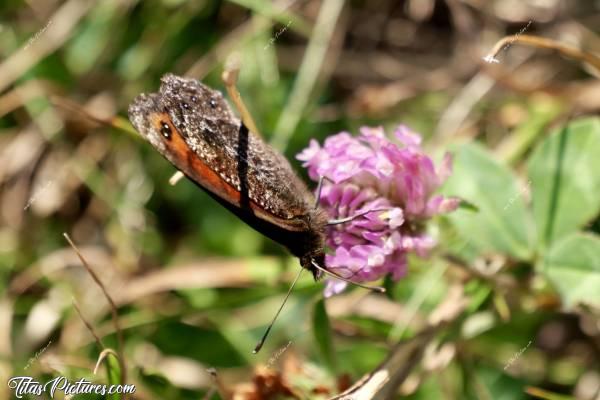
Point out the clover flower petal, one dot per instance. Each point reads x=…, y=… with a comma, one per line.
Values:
x=371, y=172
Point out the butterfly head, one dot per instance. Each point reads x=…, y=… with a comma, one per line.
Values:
x=312, y=249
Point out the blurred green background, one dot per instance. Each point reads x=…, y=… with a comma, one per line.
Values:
x=195, y=287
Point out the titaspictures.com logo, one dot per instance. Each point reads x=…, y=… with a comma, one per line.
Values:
x=26, y=385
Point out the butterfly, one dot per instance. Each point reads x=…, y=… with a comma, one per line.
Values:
x=194, y=128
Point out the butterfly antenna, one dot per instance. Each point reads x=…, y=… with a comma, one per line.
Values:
x=373, y=288
x=262, y=341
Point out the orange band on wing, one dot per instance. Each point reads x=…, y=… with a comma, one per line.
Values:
x=186, y=160
x=190, y=164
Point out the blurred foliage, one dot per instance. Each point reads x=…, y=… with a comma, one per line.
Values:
x=195, y=287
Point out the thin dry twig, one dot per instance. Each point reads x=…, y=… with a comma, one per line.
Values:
x=545, y=43
x=103, y=355
x=113, y=307
x=383, y=382
x=207, y=274
x=88, y=325
x=229, y=77
x=114, y=122
x=25, y=92
x=217, y=386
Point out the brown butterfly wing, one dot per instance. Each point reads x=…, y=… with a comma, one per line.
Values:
x=193, y=127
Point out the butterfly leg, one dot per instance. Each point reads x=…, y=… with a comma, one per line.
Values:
x=353, y=217
x=341, y=220
x=319, y=188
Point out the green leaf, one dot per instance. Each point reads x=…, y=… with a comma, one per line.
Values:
x=573, y=266
x=564, y=172
x=497, y=385
x=322, y=333
x=389, y=284
x=113, y=371
x=502, y=222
